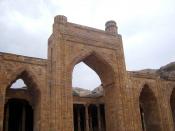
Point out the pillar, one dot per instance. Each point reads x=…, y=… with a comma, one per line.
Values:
x=99, y=117
x=142, y=118
x=79, y=120
x=23, y=118
x=2, y=102
x=6, y=120
x=87, y=117
x=90, y=120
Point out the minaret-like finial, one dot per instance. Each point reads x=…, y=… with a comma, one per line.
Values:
x=60, y=19
x=111, y=27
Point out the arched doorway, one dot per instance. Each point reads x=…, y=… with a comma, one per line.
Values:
x=149, y=110
x=172, y=103
x=99, y=65
x=18, y=115
x=21, y=104
x=92, y=116
x=84, y=77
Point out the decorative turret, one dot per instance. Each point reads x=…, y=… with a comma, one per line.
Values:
x=111, y=27
x=61, y=19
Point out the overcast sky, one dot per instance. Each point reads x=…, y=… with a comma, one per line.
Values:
x=147, y=28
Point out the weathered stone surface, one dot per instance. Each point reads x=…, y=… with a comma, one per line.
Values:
x=124, y=93
x=167, y=72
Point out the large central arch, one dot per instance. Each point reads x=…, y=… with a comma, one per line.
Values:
x=97, y=63
x=107, y=75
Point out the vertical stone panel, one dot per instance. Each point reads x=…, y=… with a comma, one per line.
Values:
x=2, y=104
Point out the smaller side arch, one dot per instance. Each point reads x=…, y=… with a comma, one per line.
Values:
x=27, y=75
x=149, y=110
x=30, y=79
x=142, y=85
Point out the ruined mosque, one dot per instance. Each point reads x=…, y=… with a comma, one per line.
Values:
x=126, y=100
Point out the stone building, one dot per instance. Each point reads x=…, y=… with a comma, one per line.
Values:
x=126, y=100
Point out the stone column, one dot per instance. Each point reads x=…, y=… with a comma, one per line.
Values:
x=79, y=120
x=142, y=119
x=87, y=117
x=23, y=118
x=2, y=102
x=90, y=120
x=99, y=117
x=6, y=118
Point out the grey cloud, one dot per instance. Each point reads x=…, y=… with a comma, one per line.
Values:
x=156, y=48
x=148, y=39
x=85, y=77
x=19, y=41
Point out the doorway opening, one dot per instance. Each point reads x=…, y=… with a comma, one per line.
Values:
x=90, y=116
x=18, y=116
x=84, y=77
x=149, y=110
x=22, y=103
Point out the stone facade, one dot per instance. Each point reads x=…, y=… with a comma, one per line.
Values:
x=132, y=101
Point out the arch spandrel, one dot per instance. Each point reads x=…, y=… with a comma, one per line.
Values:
x=78, y=57
x=3, y=77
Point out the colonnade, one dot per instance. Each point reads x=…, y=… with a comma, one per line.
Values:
x=18, y=115
x=89, y=117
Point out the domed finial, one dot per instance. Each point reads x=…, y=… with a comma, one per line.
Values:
x=111, y=27
x=60, y=19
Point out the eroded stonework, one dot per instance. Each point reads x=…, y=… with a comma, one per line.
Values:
x=126, y=101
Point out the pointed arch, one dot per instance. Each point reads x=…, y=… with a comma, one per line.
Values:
x=27, y=76
x=104, y=69
x=32, y=94
x=89, y=81
x=97, y=63
x=149, y=110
